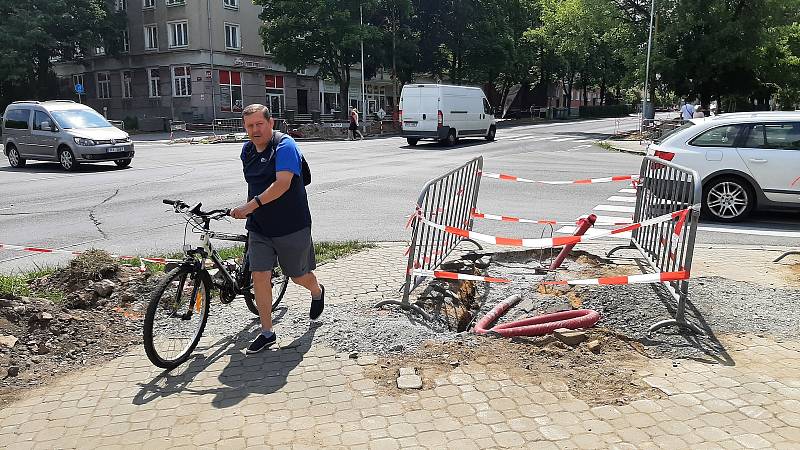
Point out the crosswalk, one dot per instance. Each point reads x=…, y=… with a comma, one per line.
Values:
x=619, y=209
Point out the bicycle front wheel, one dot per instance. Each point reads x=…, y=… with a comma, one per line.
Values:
x=176, y=316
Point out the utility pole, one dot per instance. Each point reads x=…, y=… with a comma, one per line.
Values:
x=363, y=82
x=394, y=58
x=647, y=67
x=211, y=58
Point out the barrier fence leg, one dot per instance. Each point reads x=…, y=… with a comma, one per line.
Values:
x=583, y=226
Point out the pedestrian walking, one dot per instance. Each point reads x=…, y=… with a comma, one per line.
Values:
x=278, y=217
x=354, y=123
x=687, y=111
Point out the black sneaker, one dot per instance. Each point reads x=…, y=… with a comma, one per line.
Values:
x=317, y=305
x=260, y=343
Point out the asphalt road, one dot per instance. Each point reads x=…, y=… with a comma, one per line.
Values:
x=362, y=190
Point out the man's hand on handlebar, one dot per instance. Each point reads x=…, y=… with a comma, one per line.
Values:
x=241, y=212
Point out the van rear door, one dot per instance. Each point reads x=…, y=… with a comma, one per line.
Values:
x=420, y=108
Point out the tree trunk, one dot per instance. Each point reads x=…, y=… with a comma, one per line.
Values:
x=42, y=73
x=344, y=91
x=603, y=91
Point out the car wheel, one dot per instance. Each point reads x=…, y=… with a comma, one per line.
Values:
x=728, y=199
x=13, y=157
x=67, y=160
x=491, y=134
x=122, y=163
x=412, y=141
x=451, y=138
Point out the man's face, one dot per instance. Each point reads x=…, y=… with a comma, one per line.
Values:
x=258, y=128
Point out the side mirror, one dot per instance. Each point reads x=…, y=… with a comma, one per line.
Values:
x=46, y=125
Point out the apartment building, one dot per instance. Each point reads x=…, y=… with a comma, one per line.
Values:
x=197, y=60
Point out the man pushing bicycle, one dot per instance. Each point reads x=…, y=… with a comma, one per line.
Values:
x=278, y=217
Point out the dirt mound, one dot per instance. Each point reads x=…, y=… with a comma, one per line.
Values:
x=609, y=374
x=100, y=316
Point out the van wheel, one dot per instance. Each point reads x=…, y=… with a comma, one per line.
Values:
x=728, y=199
x=451, y=138
x=412, y=141
x=122, y=163
x=67, y=159
x=491, y=134
x=13, y=157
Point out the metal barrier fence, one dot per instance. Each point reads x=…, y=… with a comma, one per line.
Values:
x=664, y=187
x=229, y=125
x=448, y=200
x=654, y=129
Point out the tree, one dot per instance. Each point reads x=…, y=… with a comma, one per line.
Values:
x=580, y=41
x=327, y=33
x=34, y=33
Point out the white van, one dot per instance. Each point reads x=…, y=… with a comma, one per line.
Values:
x=445, y=113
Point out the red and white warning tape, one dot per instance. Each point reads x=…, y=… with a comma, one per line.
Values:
x=505, y=177
x=630, y=279
x=540, y=243
x=76, y=253
x=456, y=276
x=480, y=215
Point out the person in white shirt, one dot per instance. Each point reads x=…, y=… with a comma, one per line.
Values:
x=687, y=111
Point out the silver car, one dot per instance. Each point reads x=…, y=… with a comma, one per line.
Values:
x=63, y=131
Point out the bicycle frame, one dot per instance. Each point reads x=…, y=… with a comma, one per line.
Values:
x=207, y=251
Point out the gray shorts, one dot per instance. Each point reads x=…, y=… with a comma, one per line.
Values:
x=294, y=252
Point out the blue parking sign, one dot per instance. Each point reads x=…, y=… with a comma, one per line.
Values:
x=79, y=89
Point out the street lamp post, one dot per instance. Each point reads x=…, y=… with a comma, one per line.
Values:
x=647, y=66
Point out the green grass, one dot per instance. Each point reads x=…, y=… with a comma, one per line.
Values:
x=20, y=285
x=325, y=252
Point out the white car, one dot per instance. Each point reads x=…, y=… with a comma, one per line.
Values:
x=445, y=113
x=746, y=161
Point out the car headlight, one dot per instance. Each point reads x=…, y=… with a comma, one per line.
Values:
x=84, y=142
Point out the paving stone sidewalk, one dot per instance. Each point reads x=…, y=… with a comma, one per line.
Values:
x=305, y=395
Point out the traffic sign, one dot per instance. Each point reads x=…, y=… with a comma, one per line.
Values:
x=79, y=89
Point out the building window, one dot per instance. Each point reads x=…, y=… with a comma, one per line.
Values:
x=232, y=41
x=178, y=34
x=100, y=51
x=103, y=85
x=151, y=37
x=276, y=99
x=175, y=2
x=121, y=5
x=126, y=41
x=231, y=4
x=126, y=84
x=182, y=81
x=230, y=87
x=147, y=4
x=154, y=82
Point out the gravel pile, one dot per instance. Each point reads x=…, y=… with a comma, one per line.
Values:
x=348, y=327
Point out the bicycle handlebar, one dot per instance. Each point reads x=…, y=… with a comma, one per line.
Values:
x=182, y=207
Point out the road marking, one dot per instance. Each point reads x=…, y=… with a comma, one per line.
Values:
x=594, y=232
x=564, y=139
x=617, y=198
x=609, y=219
x=745, y=230
x=627, y=191
x=615, y=208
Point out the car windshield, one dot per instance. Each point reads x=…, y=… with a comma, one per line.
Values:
x=79, y=118
x=669, y=133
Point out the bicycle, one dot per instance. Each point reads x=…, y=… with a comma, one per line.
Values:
x=179, y=306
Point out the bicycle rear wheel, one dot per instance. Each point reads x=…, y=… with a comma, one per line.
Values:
x=176, y=316
x=279, y=284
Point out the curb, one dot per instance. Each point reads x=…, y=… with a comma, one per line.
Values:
x=609, y=145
